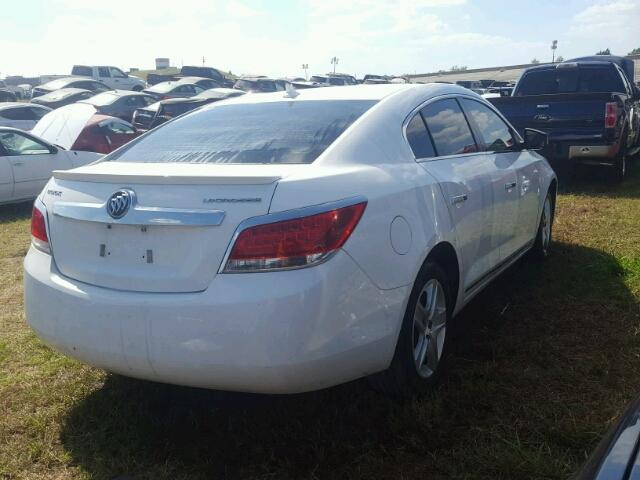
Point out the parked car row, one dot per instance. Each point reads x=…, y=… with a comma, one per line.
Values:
x=157, y=113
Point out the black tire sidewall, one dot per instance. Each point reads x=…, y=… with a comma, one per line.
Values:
x=538, y=247
x=403, y=362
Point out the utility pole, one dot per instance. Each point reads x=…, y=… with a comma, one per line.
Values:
x=334, y=62
x=554, y=47
x=203, y=60
x=305, y=67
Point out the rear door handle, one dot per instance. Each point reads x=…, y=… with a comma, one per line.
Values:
x=510, y=185
x=459, y=199
x=17, y=164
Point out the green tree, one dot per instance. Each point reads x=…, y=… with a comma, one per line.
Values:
x=456, y=68
x=604, y=52
x=635, y=51
x=560, y=59
x=535, y=61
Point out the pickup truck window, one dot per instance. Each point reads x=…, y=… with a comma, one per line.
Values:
x=82, y=71
x=117, y=73
x=103, y=72
x=449, y=128
x=582, y=79
x=495, y=134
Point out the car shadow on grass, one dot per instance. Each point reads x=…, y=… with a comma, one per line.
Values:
x=599, y=181
x=545, y=357
x=17, y=211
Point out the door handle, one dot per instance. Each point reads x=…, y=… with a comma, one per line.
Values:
x=17, y=164
x=459, y=199
x=510, y=185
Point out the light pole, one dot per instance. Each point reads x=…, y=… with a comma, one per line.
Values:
x=554, y=47
x=305, y=67
x=334, y=62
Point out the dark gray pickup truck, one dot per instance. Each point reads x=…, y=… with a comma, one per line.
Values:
x=589, y=107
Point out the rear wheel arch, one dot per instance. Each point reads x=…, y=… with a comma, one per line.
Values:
x=444, y=255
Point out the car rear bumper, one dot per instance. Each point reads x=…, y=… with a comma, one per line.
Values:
x=279, y=332
x=585, y=151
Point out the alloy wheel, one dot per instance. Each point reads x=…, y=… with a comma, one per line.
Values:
x=429, y=328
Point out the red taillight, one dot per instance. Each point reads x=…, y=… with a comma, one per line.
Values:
x=39, y=237
x=611, y=115
x=297, y=242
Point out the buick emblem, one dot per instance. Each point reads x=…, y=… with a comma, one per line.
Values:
x=119, y=203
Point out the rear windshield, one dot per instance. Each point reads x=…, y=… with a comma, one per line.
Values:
x=570, y=80
x=263, y=133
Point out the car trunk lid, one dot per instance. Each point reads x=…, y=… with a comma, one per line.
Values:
x=175, y=233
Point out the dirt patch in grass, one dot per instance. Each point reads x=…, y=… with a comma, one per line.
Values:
x=546, y=358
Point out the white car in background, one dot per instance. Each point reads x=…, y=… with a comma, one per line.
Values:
x=111, y=76
x=288, y=242
x=21, y=115
x=27, y=161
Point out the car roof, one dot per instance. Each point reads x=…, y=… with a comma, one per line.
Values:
x=568, y=64
x=63, y=93
x=122, y=93
x=98, y=118
x=193, y=79
x=410, y=91
x=167, y=86
x=6, y=105
x=64, y=81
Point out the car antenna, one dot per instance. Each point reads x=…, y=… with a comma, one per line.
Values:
x=291, y=91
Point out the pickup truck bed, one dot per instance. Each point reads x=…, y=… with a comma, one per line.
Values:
x=574, y=122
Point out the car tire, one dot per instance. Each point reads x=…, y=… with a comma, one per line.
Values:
x=423, y=344
x=542, y=244
x=137, y=88
x=622, y=161
x=620, y=168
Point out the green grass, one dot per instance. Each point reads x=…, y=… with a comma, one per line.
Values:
x=546, y=358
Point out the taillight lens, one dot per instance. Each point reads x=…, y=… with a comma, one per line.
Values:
x=293, y=243
x=39, y=238
x=611, y=115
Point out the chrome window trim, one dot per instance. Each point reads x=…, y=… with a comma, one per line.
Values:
x=282, y=216
x=139, y=215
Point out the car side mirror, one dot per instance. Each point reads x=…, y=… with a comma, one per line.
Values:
x=535, y=139
x=53, y=149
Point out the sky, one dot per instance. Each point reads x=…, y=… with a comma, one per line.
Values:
x=275, y=37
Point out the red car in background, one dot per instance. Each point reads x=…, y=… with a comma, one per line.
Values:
x=79, y=127
x=103, y=134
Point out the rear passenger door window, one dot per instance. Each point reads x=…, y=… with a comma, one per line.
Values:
x=449, y=128
x=103, y=72
x=418, y=138
x=495, y=135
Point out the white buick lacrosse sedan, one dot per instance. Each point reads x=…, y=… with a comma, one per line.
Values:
x=288, y=242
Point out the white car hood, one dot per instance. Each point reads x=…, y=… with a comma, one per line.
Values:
x=63, y=125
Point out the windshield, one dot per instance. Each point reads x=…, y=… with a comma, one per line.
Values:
x=570, y=80
x=278, y=132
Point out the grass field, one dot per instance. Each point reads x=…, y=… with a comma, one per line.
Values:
x=547, y=357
